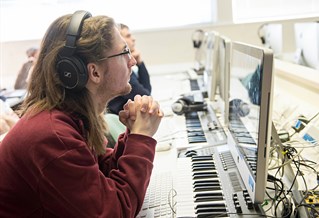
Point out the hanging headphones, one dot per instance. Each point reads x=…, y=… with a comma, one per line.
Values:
x=71, y=68
x=185, y=105
x=261, y=33
x=197, y=38
x=239, y=107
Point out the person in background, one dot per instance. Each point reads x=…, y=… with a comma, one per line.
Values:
x=140, y=78
x=21, y=81
x=54, y=162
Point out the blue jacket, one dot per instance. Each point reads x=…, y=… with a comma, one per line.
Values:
x=141, y=85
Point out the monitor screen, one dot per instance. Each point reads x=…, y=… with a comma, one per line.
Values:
x=210, y=75
x=307, y=44
x=250, y=114
x=224, y=57
x=273, y=38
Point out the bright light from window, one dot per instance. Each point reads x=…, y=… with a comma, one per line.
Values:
x=245, y=11
x=24, y=20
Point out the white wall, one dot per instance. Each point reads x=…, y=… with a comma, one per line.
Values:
x=157, y=47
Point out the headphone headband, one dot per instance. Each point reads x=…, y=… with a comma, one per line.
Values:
x=74, y=32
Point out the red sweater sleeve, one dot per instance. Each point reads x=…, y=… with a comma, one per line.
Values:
x=109, y=160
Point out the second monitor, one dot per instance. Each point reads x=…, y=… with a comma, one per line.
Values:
x=307, y=44
x=210, y=75
x=250, y=114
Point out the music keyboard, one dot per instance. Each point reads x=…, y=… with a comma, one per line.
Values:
x=204, y=127
x=199, y=192
x=210, y=185
x=205, y=182
x=159, y=198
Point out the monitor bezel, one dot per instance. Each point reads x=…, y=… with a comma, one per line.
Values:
x=210, y=76
x=257, y=187
x=224, y=77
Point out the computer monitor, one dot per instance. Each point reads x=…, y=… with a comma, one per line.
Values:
x=210, y=75
x=224, y=58
x=273, y=38
x=307, y=44
x=250, y=109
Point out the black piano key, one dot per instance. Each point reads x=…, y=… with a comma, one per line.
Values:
x=196, y=139
x=212, y=214
x=202, y=168
x=197, y=164
x=205, y=159
x=201, y=175
x=201, y=158
x=252, y=164
x=194, y=130
x=209, y=199
x=246, y=140
x=208, y=181
x=192, y=121
x=193, y=124
x=196, y=125
x=205, y=173
x=193, y=134
x=211, y=184
x=192, y=114
x=209, y=194
x=206, y=188
x=211, y=207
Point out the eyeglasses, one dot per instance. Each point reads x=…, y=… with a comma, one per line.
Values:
x=124, y=52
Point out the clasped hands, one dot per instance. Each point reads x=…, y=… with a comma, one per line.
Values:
x=141, y=116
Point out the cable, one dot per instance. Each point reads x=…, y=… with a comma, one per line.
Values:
x=275, y=180
x=286, y=162
x=172, y=193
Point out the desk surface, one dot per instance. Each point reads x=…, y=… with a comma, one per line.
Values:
x=167, y=88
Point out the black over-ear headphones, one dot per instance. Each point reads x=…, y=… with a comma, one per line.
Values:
x=197, y=38
x=185, y=105
x=261, y=33
x=71, y=69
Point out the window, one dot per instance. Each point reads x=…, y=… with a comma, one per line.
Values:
x=269, y=10
x=23, y=20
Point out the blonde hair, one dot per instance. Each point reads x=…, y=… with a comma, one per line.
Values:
x=45, y=90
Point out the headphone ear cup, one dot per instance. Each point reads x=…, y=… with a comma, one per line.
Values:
x=72, y=72
x=178, y=107
x=184, y=105
x=239, y=107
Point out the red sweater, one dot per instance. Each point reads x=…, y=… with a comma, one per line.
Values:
x=47, y=170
